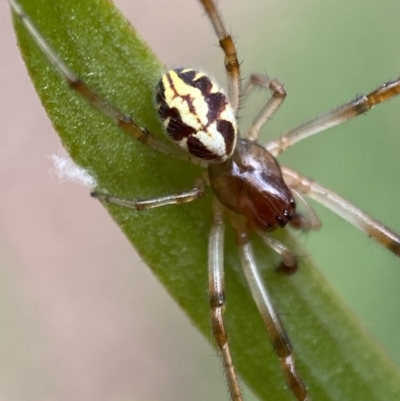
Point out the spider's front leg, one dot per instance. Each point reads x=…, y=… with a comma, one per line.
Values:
x=344, y=209
x=335, y=117
x=272, y=322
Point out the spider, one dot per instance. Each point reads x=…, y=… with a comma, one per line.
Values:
x=252, y=190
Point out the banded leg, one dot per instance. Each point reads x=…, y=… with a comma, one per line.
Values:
x=216, y=293
x=228, y=46
x=344, y=209
x=273, y=324
x=79, y=86
x=272, y=105
x=182, y=197
x=335, y=117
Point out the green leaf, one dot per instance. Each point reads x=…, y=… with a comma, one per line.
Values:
x=336, y=358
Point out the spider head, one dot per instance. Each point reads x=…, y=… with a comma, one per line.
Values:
x=250, y=183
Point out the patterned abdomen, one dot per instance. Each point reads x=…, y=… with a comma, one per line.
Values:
x=196, y=114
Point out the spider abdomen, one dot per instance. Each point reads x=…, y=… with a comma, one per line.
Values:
x=196, y=114
x=250, y=183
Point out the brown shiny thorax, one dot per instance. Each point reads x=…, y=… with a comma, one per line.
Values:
x=250, y=183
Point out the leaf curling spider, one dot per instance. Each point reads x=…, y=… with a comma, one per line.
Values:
x=246, y=158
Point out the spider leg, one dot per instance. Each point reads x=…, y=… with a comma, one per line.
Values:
x=228, y=46
x=344, y=209
x=335, y=117
x=191, y=195
x=79, y=86
x=216, y=293
x=272, y=322
x=272, y=105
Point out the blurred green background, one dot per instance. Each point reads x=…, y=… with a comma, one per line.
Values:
x=325, y=53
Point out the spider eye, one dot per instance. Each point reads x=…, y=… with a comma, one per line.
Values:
x=196, y=114
x=288, y=213
x=281, y=221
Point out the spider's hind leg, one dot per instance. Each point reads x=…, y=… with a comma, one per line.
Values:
x=227, y=44
x=78, y=85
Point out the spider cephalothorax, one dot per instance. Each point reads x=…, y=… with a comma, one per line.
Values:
x=250, y=183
